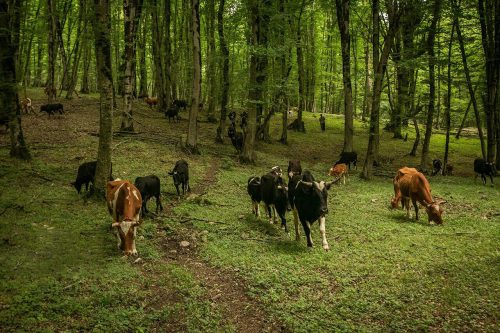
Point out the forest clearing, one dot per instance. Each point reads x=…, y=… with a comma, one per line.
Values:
x=249, y=166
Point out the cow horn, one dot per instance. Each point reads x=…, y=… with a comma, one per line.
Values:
x=115, y=225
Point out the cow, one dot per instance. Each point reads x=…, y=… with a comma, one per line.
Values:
x=124, y=205
x=27, y=106
x=437, y=166
x=274, y=194
x=415, y=187
x=151, y=101
x=244, y=121
x=86, y=175
x=149, y=187
x=483, y=168
x=348, y=158
x=339, y=171
x=449, y=170
x=294, y=168
x=237, y=138
x=51, y=109
x=172, y=112
x=180, y=104
x=397, y=193
x=180, y=175
x=50, y=91
x=310, y=204
x=253, y=189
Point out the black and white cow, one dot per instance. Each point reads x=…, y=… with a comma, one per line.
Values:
x=484, y=168
x=253, y=189
x=294, y=168
x=180, y=175
x=149, y=187
x=348, y=157
x=274, y=193
x=310, y=199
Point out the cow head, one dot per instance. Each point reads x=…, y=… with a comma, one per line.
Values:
x=394, y=202
x=319, y=194
x=434, y=211
x=276, y=170
x=78, y=186
x=126, y=231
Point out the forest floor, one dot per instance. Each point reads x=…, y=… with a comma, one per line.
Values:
x=61, y=270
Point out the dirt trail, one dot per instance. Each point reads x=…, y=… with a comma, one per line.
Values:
x=224, y=287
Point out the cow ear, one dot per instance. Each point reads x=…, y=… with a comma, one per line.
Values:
x=170, y=173
x=441, y=201
x=115, y=225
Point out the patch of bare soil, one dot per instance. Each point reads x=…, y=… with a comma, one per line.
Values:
x=225, y=289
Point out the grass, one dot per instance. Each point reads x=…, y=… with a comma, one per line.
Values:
x=61, y=271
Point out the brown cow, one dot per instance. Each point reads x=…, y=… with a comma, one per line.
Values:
x=151, y=101
x=339, y=171
x=27, y=106
x=397, y=193
x=415, y=186
x=124, y=205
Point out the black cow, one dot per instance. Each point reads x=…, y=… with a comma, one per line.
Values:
x=149, y=187
x=253, y=189
x=86, y=175
x=180, y=104
x=237, y=138
x=483, y=168
x=311, y=204
x=172, y=113
x=348, y=158
x=232, y=116
x=437, y=165
x=275, y=196
x=244, y=121
x=51, y=109
x=180, y=174
x=294, y=168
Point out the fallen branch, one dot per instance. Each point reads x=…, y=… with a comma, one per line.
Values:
x=184, y=219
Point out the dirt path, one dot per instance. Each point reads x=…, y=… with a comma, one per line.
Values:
x=224, y=288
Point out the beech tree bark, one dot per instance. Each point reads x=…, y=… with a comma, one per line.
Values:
x=221, y=130
x=52, y=46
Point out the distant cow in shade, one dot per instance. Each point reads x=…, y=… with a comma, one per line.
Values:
x=149, y=187
x=180, y=175
x=253, y=189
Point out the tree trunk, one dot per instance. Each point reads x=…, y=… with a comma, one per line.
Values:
x=425, y=162
x=211, y=62
x=462, y=124
x=82, y=18
x=192, y=136
x=301, y=71
x=225, y=73
x=456, y=23
x=401, y=84
x=157, y=57
x=38, y=71
x=87, y=57
x=143, y=73
x=367, y=98
x=52, y=46
x=286, y=50
x=10, y=110
x=343, y=22
x=168, y=56
x=447, y=115
x=131, y=15
x=102, y=28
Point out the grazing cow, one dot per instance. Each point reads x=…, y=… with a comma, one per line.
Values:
x=149, y=187
x=339, y=171
x=124, y=205
x=253, y=189
x=151, y=101
x=483, y=168
x=397, y=193
x=311, y=204
x=415, y=186
x=274, y=193
x=348, y=158
x=180, y=104
x=27, y=106
x=172, y=112
x=180, y=175
x=51, y=109
x=294, y=168
x=437, y=165
x=86, y=175
x=237, y=138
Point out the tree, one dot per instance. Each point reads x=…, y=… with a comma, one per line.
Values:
x=10, y=110
x=192, y=136
x=447, y=115
x=102, y=40
x=132, y=14
x=52, y=47
x=343, y=22
x=225, y=73
x=424, y=162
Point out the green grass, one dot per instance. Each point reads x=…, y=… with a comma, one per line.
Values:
x=61, y=271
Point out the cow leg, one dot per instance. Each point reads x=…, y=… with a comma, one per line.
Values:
x=307, y=232
x=343, y=178
x=274, y=214
x=296, y=223
x=177, y=188
x=483, y=178
x=491, y=178
x=257, y=209
x=322, y=230
x=134, y=250
x=269, y=213
x=414, y=201
x=158, y=204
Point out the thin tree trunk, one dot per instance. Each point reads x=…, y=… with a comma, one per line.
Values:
x=168, y=55
x=462, y=124
x=425, y=162
x=192, y=136
x=77, y=51
x=211, y=62
x=225, y=73
x=284, y=70
x=38, y=71
x=343, y=22
x=367, y=98
x=52, y=46
x=87, y=57
x=10, y=109
x=102, y=28
x=447, y=115
x=143, y=73
x=301, y=71
x=157, y=57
